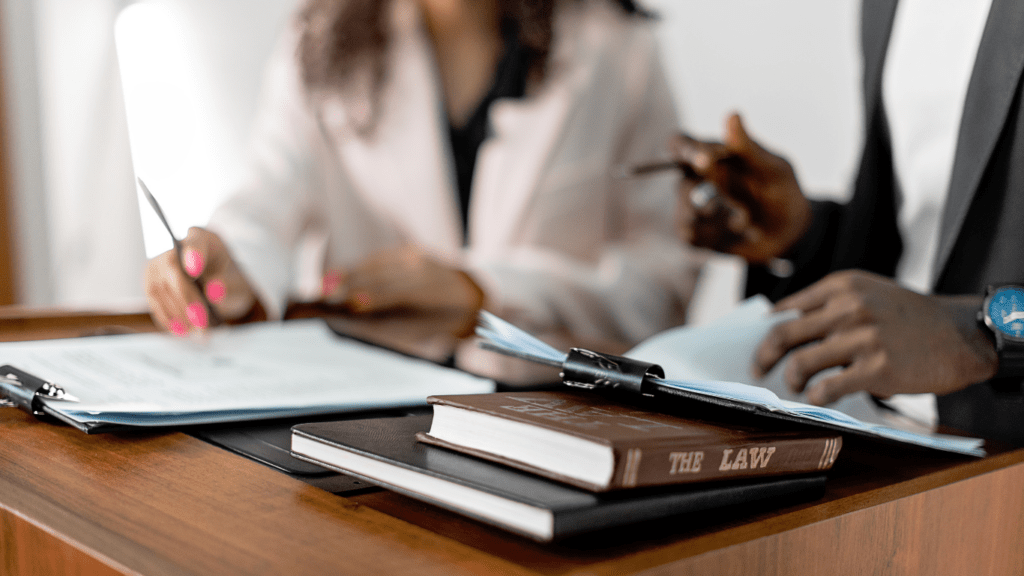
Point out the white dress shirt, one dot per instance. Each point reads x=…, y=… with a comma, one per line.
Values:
x=927, y=70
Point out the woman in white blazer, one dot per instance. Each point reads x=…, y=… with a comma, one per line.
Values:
x=359, y=152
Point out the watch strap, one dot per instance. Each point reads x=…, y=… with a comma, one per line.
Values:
x=1011, y=358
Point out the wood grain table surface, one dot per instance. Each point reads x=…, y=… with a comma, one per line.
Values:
x=170, y=504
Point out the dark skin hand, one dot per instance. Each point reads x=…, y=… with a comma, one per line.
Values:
x=765, y=210
x=886, y=339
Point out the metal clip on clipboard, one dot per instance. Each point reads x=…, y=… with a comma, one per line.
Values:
x=588, y=369
x=22, y=390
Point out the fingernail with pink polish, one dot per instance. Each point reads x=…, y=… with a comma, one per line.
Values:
x=216, y=291
x=177, y=328
x=193, y=263
x=330, y=283
x=362, y=300
x=196, y=313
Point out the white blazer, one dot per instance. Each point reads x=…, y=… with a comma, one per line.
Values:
x=558, y=240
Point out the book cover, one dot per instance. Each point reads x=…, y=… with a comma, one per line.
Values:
x=384, y=451
x=587, y=440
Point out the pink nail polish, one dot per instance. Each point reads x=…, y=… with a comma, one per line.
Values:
x=193, y=263
x=196, y=313
x=216, y=291
x=177, y=328
x=362, y=300
x=330, y=283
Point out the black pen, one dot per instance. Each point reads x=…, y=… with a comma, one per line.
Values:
x=214, y=318
x=701, y=196
x=653, y=168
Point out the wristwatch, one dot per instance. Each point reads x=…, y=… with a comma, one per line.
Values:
x=1003, y=314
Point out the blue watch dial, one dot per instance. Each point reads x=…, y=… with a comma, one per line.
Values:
x=1006, y=311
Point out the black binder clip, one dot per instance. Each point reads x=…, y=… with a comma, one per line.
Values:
x=587, y=369
x=20, y=389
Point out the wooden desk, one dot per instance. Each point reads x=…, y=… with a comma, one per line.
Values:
x=160, y=504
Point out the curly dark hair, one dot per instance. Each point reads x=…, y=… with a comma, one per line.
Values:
x=342, y=36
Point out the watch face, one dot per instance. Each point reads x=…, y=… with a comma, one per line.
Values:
x=1005, y=311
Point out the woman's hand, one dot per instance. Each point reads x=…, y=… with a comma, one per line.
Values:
x=172, y=287
x=408, y=279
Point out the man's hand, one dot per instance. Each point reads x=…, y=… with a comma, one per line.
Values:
x=407, y=279
x=761, y=211
x=174, y=298
x=886, y=339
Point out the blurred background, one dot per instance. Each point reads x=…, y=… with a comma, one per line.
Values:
x=75, y=236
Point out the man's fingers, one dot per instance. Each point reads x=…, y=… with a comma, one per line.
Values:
x=736, y=137
x=847, y=381
x=695, y=155
x=838, y=350
x=738, y=219
x=786, y=336
x=816, y=295
x=739, y=142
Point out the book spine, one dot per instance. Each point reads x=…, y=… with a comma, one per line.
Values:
x=638, y=466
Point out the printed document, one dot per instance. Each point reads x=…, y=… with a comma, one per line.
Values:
x=261, y=370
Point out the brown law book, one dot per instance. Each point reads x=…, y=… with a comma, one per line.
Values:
x=588, y=441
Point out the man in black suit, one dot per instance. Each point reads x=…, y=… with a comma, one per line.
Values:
x=837, y=263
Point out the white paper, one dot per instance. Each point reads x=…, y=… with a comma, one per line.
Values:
x=723, y=353
x=257, y=370
x=715, y=360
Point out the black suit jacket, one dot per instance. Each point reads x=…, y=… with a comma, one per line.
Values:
x=981, y=238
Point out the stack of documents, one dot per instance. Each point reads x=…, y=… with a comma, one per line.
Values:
x=257, y=371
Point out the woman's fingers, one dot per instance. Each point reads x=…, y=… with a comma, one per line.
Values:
x=173, y=284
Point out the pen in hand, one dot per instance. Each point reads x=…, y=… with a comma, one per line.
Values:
x=213, y=318
x=705, y=197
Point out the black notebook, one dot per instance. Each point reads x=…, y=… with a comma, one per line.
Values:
x=384, y=451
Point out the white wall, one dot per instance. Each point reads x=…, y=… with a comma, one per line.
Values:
x=28, y=202
x=76, y=214
x=93, y=219
x=192, y=74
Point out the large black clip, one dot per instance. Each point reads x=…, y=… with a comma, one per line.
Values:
x=20, y=389
x=587, y=369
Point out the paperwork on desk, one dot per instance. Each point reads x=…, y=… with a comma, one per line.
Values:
x=714, y=361
x=257, y=371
